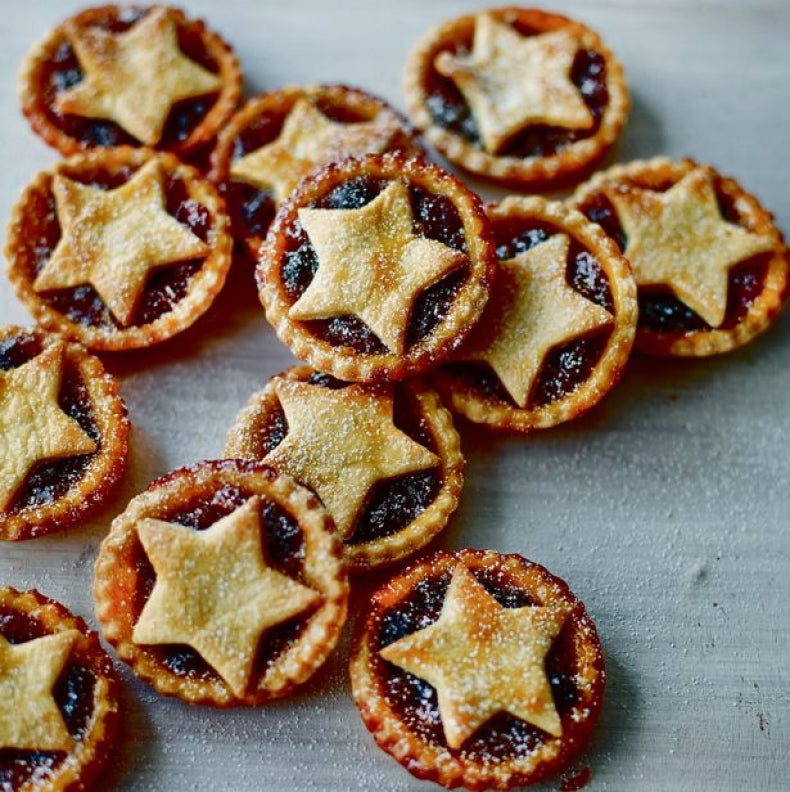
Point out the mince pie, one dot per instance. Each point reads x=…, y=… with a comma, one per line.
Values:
x=559, y=325
x=376, y=268
x=59, y=697
x=517, y=95
x=129, y=75
x=709, y=262
x=223, y=583
x=478, y=669
x=118, y=248
x=385, y=460
x=279, y=137
x=63, y=433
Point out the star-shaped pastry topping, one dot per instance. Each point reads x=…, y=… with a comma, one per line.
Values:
x=483, y=659
x=679, y=239
x=531, y=310
x=512, y=81
x=371, y=265
x=342, y=442
x=134, y=78
x=308, y=139
x=215, y=592
x=29, y=716
x=113, y=239
x=33, y=427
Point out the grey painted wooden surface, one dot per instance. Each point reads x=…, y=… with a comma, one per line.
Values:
x=666, y=509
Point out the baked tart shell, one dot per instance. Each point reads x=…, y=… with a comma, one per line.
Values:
x=107, y=464
x=27, y=223
x=36, y=108
x=568, y=164
x=659, y=172
x=117, y=577
x=433, y=761
x=243, y=443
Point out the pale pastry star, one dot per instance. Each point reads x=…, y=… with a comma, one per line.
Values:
x=679, y=239
x=215, y=592
x=512, y=81
x=30, y=719
x=308, y=139
x=134, y=78
x=113, y=239
x=483, y=658
x=341, y=442
x=371, y=264
x=33, y=427
x=531, y=310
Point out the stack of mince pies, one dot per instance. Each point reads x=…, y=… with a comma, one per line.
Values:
x=408, y=302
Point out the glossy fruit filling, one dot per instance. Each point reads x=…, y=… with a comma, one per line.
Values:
x=391, y=505
x=415, y=701
x=52, y=480
x=166, y=286
x=569, y=365
x=73, y=693
x=660, y=311
x=449, y=109
x=252, y=209
x=435, y=217
x=63, y=71
x=284, y=550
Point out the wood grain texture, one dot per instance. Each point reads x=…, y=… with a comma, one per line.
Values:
x=666, y=509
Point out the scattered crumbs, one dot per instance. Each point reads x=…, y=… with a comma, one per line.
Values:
x=577, y=780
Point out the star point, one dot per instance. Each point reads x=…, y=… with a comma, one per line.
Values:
x=341, y=443
x=215, y=592
x=308, y=139
x=113, y=239
x=532, y=310
x=512, y=81
x=483, y=658
x=30, y=719
x=33, y=427
x=135, y=77
x=679, y=239
x=371, y=264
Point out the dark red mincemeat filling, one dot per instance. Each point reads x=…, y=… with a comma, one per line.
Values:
x=660, y=311
x=165, y=287
x=449, y=109
x=391, y=505
x=63, y=72
x=52, y=480
x=568, y=365
x=502, y=737
x=252, y=209
x=73, y=693
x=435, y=217
x=284, y=549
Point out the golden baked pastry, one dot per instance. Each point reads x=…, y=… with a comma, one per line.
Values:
x=558, y=329
x=59, y=697
x=118, y=248
x=63, y=430
x=279, y=137
x=376, y=268
x=129, y=75
x=477, y=669
x=386, y=461
x=517, y=95
x=709, y=262
x=222, y=584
